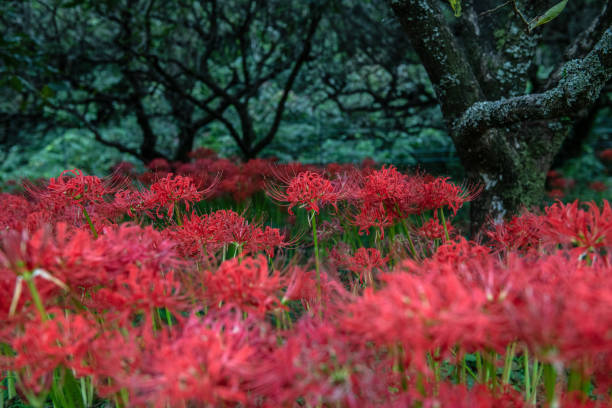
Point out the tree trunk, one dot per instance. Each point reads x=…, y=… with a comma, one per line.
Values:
x=185, y=146
x=506, y=139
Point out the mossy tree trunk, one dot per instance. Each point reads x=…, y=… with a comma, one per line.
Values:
x=506, y=135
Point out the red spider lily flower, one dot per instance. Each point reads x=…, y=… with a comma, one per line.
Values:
x=325, y=367
x=132, y=202
x=124, y=168
x=598, y=186
x=441, y=193
x=556, y=193
x=247, y=284
x=171, y=190
x=159, y=165
x=606, y=155
x=571, y=302
x=521, y=233
x=266, y=240
x=44, y=346
x=385, y=189
x=563, y=183
x=329, y=229
x=202, y=365
x=78, y=188
x=15, y=210
x=432, y=229
x=75, y=198
x=589, y=228
x=372, y=216
x=241, y=186
x=139, y=290
x=302, y=286
x=202, y=153
x=223, y=227
x=426, y=310
x=460, y=251
x=362, y=263
x=127, y=244
x=308, y=190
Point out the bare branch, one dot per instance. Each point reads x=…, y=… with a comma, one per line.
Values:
x=579, y=87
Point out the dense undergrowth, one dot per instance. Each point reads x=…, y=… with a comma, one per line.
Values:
x=268, y=285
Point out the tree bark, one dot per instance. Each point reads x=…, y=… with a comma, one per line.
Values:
x=506, y=144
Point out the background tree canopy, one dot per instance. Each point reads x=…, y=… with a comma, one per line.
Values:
x=86, y=83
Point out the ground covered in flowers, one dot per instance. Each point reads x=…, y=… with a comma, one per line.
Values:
x=213, y=284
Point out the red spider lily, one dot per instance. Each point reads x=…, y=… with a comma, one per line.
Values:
x=562, y=183
x=521, y=233
x=139, y=290
x=589, y=228
x=598, y=186
x=124, y=168
x=171, y=190
x=203, y=364
x=561, y=309
x=606, y=155
x=223, y=227
x=241, y=186
x=202, y=153
x=388, y=190
x=324, y=366
x=440, y=193
x=132, y=202
x=425, y=311
x=460, y=251
x=372, y=217
x=43, y=346
x=362, y=263
x=15, y=210
x=302, y=285
x=247, y=284
x=308, y=190
x=328, y=229
x=78, y=188
x=556, y=193
x=432, y=229
x=133, y=245
x=159, y=164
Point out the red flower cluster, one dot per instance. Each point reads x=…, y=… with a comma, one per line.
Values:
x=218, y=309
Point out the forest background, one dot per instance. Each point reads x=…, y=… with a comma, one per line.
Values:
x=88, y=83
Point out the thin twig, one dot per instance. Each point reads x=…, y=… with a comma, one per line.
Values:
x=493, y=10
x=518, y=13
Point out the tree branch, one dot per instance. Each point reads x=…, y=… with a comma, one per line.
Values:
x=448, y=69
x=302, y=58
x=578, y=88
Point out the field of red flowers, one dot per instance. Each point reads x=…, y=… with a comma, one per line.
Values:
x=212, y=284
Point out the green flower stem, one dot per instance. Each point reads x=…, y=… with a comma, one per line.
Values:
x=527, y=376
x=91, y=226
x=508, y=363
x=550, y=383
x=316, y=252
x=535, y=379
x=36, y=296
x=479, y=370
x=177, y=213
x=410, y=243
x=443, y=219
